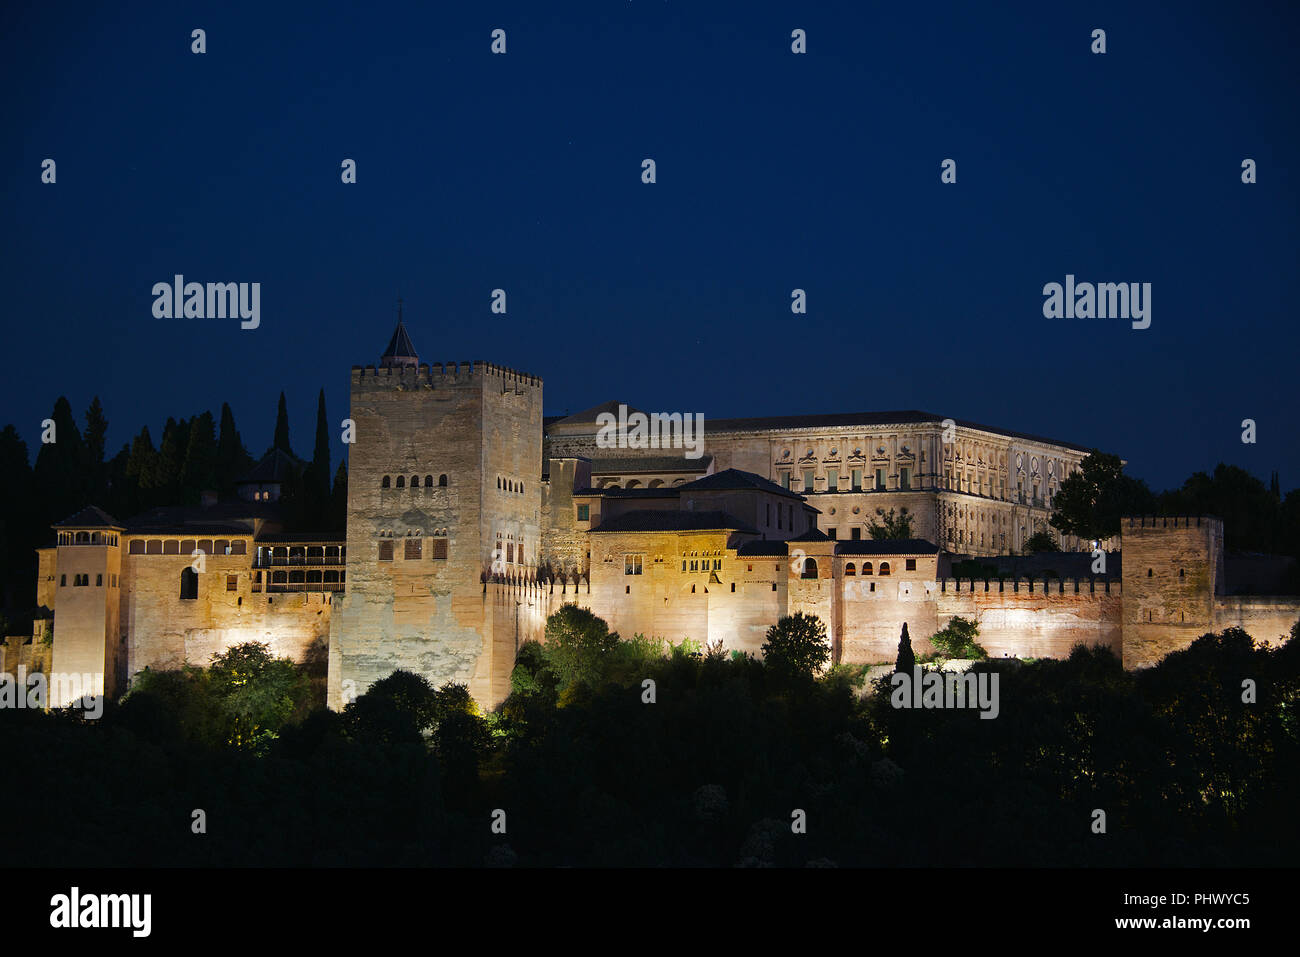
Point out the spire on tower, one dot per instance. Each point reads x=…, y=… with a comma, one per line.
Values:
x=400, y=351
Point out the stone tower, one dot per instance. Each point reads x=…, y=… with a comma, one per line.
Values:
x=1173, y=570
x=443, y=500
x=87, y=599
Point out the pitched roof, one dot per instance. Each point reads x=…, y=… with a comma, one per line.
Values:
x=589, y=416
x=729, y=479
x=812, y=535
x=758, y=549
x=400, y=350
x=841, y=419
x=664, y=491
x=277, y=465
x=649, y=463
x=887, y=546
x=92, y=516
x=673, y=520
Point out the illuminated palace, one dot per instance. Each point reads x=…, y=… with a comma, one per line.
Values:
x=472, y=516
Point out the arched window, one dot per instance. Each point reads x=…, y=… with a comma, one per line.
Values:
x=884, y=568
x=401, y=481
x=442, y=481
x=866, y=568
x=498, y=481
x=428, y=481
x=189, y=584
x=386, y=483
x=850, y=570
x=809, y=568
x=415, y=481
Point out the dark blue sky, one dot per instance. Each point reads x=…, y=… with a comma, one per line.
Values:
x=775, y=171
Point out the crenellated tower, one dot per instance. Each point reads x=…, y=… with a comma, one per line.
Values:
x=443, y=497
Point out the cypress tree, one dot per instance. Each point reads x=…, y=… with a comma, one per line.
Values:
x=906, y=659
x=233, y=460
x=320, y=459
x=281, y=440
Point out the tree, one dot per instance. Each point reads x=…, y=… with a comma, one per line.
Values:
x=906, y=660
x=171, y=461
x=957, y=639
x=320, y=459
x=233, y=460
x=578, y=645
x=93, y=442
x=1091, y=501
x=337, y=519
x=58, y=474
x=1041, y=541
x=281, y=440
x=796, y=646
x=18, y=530
x=891, y=526
x=258, y=692
x=199, y=473
x=1251, y=515
x=411, y=694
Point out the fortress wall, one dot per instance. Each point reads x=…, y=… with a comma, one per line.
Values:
x=1012, y=621
x=166, y=631
x=1266, y=619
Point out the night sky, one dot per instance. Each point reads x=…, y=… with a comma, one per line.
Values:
x=775, y=171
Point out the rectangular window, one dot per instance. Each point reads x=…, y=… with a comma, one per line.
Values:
x=232, y=583
x=856, y=534
x=414, y=549
x=785, y=480
x=632, y=565
x=584, y=513
x=440, y=548
x=832, y=480
x=63, y=581
x=99, y=581
x=386, y=550
x=880, y=480
x=807, y=481
x=857, y=480
x=769, y=515
x=510, y=553
x=683, y=565
x=911, y=564
x=832, y=532
x=905, y=477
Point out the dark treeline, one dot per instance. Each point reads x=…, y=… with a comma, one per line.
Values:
x=190, y=456
x=1187, y=768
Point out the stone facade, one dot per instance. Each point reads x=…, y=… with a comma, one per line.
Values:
x=471, y=518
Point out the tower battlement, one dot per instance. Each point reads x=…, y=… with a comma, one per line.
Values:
x=440, y=374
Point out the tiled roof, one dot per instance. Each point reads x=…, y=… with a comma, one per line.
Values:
x=812, y=535
x=666, y=520
x=400, y=346
x=588, y=416
x=759, y=549
x=649, y=463
x=665, y=491
x=276, y=466
x=775, y=423
x=887, y=546
x=92, y=516
x=737, y=479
